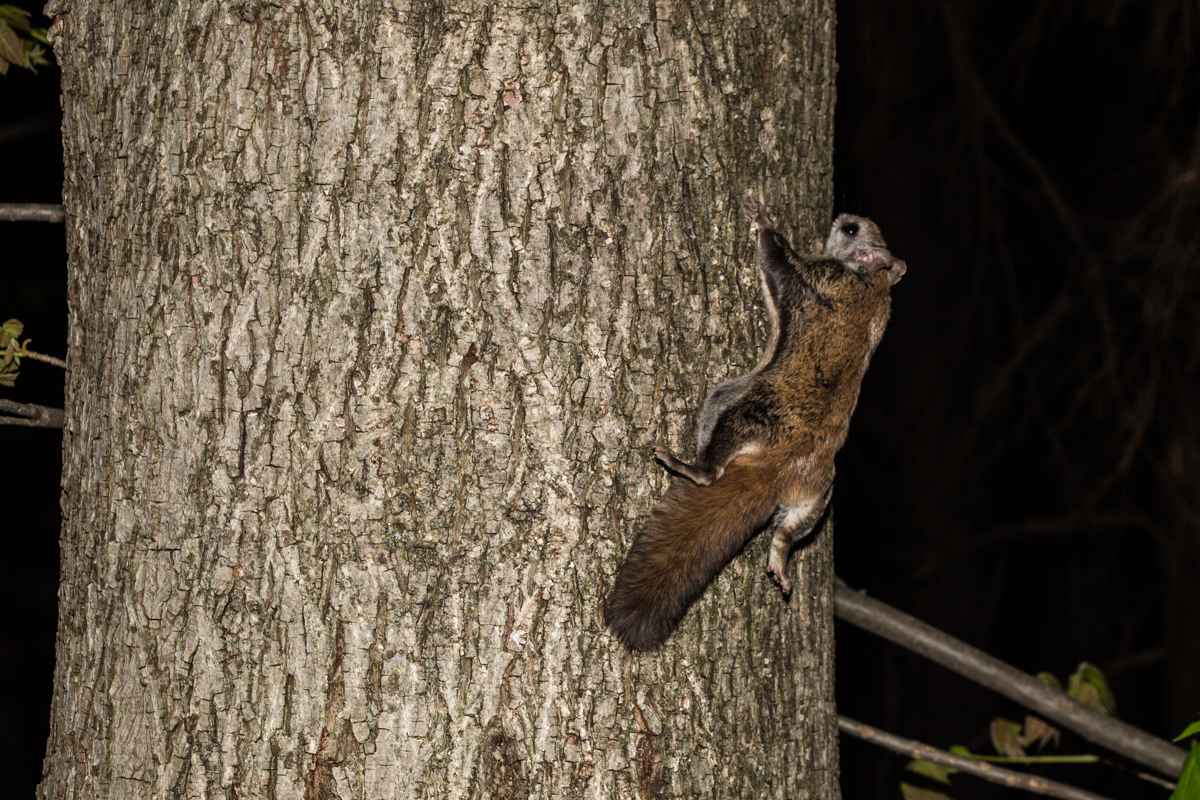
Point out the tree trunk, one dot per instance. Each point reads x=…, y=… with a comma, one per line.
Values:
x=376, y=312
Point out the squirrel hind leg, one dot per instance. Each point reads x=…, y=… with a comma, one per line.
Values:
x=697, y=475
x=792, y=524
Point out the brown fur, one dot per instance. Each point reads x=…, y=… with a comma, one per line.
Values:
x=767, y=440
x=691, y=534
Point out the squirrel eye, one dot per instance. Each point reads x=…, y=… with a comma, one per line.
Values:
x=850, y=228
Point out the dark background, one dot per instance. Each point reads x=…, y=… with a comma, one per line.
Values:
x=33, y=288
x=1024, y=467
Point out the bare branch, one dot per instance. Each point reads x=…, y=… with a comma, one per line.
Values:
x=980, y=769
x=912, y=634
x=31, y=212
x=58, y=362
x=31, y=416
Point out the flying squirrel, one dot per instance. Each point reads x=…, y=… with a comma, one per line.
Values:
x=765, y=441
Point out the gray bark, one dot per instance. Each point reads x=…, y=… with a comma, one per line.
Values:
x=376, y=311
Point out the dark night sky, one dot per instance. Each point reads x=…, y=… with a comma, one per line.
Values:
x=1024, y=466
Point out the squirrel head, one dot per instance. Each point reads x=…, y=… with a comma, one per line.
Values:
x=857, y=242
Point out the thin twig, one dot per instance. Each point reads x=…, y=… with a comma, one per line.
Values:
x=58, y=362
x=32, y=212
x=1146, y=776
x=1053, y=704
x=980, y=769
x=31, y=416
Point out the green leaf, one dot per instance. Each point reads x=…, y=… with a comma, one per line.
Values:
x=1037, y=730
x=911, y=792
x=1006, y=736
x=1190, y=730
x=931, y=770
x=40, y=35
x=1049, y=679
x=34, y=54
x=9, y=332
x=962, y=750
x=10, y=45
x=1188, y=787
x=1089, y=686
x=16, y=17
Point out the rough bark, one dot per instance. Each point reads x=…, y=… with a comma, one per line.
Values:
x=376, y=311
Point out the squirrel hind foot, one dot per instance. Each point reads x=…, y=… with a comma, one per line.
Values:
x=781, y=547
x=697, y=475
x=780, y=577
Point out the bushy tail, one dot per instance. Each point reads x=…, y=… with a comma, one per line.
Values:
x=692, y=533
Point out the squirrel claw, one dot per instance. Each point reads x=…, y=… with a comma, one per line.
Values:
x=756, y=212
x=777, y=575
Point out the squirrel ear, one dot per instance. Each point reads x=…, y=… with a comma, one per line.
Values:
x=896, y=270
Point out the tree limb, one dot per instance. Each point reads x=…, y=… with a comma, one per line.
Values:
x=37, y=416
x=58, y=362
x=980, y=769
x=1053, y=704
x=32, y=212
